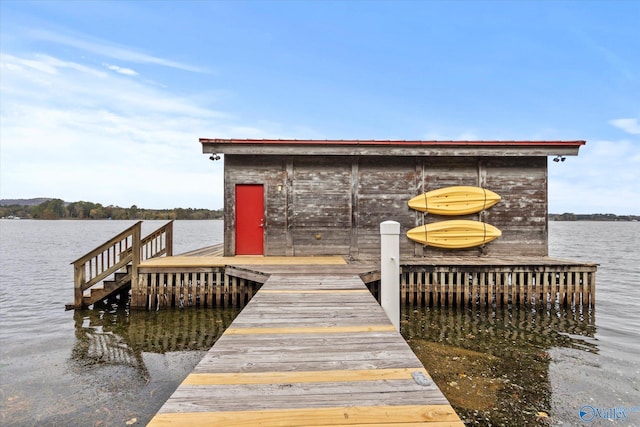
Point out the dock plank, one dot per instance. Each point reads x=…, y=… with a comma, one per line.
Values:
x=418, y=415
x=217, y=398
x=309, y=349
x=299, y=376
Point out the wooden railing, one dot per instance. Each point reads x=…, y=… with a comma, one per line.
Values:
x=158, y=243
x=126, y=248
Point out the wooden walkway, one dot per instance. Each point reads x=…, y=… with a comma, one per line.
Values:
x=313, y=348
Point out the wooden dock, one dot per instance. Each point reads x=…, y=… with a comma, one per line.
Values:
x=312, y=347
x=206, y=278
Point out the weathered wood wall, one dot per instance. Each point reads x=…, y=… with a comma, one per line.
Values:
x=334, y=204
x=383, y=186
x=321, y=204
x=523, y=211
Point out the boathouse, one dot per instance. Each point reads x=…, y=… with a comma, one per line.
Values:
x=293, y=201
x=328, y=197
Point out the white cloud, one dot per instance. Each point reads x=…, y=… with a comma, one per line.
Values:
x=630, y=126
x=107, y=49
x=76, y=85
x=602, y=179
x=121, y=70
x=79, y=133
x=44, y=64
x=83, y=133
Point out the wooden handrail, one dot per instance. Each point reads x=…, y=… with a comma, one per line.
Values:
x=109, y=242
x=126, y=248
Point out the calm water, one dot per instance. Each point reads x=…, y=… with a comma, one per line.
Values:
x=96, y=367
x=542, y=366
x=106, y=366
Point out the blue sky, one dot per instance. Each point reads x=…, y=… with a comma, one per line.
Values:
x=105, y=101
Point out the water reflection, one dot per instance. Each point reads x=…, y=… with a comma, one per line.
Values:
x=493, y=364
x=110, y=334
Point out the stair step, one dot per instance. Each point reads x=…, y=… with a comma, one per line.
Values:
x=108, y=287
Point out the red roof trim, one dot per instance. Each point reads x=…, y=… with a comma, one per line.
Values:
x=390, y=142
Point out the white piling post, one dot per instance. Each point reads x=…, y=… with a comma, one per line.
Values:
x=390, y=270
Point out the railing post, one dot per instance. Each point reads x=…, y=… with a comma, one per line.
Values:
x=169, y=239
x=79, y=279
x=390, y=270
x=136, y=254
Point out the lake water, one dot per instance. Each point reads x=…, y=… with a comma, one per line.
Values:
x=107, y=366
x=545, y=366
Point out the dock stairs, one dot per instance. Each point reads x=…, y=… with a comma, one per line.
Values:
x=121, y=281
x=111, y=267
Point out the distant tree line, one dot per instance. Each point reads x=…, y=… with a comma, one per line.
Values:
x=567, y=216
x=58, y=209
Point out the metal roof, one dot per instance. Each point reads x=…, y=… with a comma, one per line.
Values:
x=356, y=142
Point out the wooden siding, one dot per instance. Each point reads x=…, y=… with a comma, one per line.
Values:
x=334, y=204
x=383, y=186
x=321, y=213
x=522, y=213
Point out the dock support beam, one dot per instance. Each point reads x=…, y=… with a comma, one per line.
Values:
x=390, y=270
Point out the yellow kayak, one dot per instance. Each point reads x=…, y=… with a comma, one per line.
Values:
x=454, y=234
x=456, y=200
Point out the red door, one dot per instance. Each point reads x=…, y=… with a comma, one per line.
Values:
x=249, y=219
